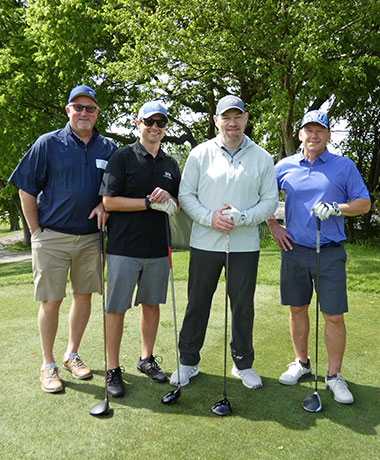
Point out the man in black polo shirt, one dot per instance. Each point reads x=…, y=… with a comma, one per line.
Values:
x=139, y=187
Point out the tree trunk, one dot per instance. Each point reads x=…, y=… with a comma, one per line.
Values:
x=288, y=146
x=26, y=237
x=14, y=222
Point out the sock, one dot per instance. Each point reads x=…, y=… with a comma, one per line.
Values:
x=69, y=355
x=48, y=366
x=307, y=364
x=329, y=377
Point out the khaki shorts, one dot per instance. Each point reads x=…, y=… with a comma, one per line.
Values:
x=54, y=254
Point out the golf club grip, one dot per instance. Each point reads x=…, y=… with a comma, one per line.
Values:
x=101, y=241
x=170, y=257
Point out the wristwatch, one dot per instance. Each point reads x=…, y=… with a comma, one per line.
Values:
x=147, y=203
x=243, y=217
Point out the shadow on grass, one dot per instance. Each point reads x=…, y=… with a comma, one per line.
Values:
x=273, y=402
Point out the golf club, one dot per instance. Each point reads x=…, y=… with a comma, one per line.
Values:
x=102, y=408
x=175, y=394
x=313, y=402
x=223, y=406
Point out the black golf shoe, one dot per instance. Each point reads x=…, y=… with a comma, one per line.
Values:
x=150, y=367
x=115, y=385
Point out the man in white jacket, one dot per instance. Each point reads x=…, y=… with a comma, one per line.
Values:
x=228, y=187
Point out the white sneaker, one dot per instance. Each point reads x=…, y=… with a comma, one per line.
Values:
x=248, y=376
x=295, y=373
x=185, y=372
x=340, y=390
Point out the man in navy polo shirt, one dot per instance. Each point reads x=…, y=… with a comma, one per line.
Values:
x=59, y=181
x=139, y=188
x=317, y=184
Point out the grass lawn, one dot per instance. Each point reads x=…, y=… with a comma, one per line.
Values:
x=4, y=229
x=266, y=424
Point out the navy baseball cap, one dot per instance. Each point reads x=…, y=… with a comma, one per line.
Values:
x=82, y=90
x=151, y=108
x=229, y=102
x=316, y=116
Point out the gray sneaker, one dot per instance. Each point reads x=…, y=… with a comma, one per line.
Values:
x=248, y=376
x=186, y=373
x=295, y=373
x=339, y=388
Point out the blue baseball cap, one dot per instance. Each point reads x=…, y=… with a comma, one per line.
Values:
x=82, y=90
x=316, y=116
x=229, y=102
x=151, y=108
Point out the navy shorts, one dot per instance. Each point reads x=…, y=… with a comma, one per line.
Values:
x=124, y=273
x=298, y=271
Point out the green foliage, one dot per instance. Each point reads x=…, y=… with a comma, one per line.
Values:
x=280, y=57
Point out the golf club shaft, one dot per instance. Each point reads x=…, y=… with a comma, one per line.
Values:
x=318, y=253
x=226, y=315
x=101, y=235
x=173, y=294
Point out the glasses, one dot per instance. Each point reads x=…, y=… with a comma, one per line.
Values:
x=161, y=123
x=80, y=107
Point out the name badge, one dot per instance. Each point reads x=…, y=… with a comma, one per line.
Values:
x=101, y=164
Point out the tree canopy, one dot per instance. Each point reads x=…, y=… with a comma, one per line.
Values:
x=281, y=57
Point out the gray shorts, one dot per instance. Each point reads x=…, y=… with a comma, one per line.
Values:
x=298, y=270
x=124, y=273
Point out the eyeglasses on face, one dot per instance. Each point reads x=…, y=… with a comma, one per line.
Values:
x=161, y=122
x=80, y=107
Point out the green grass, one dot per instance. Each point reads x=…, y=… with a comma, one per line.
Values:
x=18, y=247
x=16, y=273
x=266, y=424
x=4, y=229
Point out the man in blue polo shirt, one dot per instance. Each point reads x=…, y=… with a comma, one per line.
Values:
x=317, y=184
x=59, y=181
x=139, y=187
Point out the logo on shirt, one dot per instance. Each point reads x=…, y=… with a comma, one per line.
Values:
x=167, y=175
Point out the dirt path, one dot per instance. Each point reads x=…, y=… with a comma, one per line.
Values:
x=8, y=256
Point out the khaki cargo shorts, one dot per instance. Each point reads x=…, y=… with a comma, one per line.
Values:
x=55, y=254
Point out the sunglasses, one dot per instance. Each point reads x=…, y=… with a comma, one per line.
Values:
x=161, y=123
x=80, y=107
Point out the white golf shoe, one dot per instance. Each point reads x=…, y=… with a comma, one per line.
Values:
x=248, y=376
x=186, y=373
x=339, y=389
x=295, y=373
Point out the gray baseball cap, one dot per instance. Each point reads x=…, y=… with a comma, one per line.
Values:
x=229, y=102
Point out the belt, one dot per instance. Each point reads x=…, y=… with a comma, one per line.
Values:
x=331, y=244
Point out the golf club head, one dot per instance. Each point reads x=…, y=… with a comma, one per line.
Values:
x=222, y=407
x=312, y=403
x=171, y=396
x=102, y=408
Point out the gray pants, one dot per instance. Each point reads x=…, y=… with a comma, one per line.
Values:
x=204, y=272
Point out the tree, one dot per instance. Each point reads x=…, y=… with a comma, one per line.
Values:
x=281, y=57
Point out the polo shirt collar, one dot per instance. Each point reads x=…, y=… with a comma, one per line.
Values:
x=142, y=150
x=219, y=143
x=69, y=130
x=323, y=157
